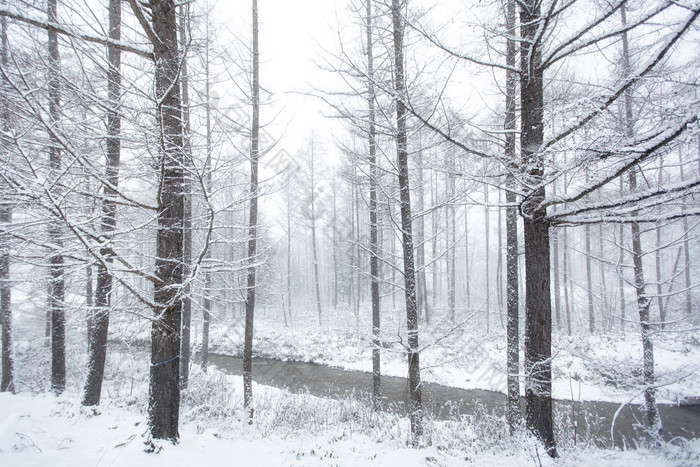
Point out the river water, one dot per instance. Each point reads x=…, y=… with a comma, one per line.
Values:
x=576, y=419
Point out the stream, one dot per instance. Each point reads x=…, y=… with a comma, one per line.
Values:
x=577, y=419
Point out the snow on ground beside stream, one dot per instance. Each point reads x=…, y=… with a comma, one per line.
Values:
x=289, y=430
x=586, y=368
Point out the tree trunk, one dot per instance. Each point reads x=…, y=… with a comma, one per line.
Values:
x=467, y=278
x=538, y=312
x=422, y=292
x=187, y=222
x=554, y=234
x=335, y=245
x=499, y=258
x=373, y=224
x=513, y=414
x=487, y=274
x=686, y=257
x=643, y=302
x=589, y=280
x=99, y=321
x=451, y=238
x=620, y=266
x=7, y=383
x=57, y=268
x=434, y=235
x=603, y=284
x=568, y=298
x=252, y=226
x=414, y=386
x=164, y=394
x=206, y=302
x=314, y=248
x=289, y=253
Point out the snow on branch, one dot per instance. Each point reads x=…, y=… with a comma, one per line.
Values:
x=633, y=154
x=644, y=69
x=50, y=26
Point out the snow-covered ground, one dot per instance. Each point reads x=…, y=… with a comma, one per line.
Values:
x=37, y=428
x=40, y=429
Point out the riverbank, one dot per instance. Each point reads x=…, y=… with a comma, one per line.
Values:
x=584, y=368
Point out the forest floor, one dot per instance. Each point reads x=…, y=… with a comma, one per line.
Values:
x=38, y=428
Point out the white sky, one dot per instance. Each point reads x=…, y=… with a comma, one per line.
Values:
x=292, y=35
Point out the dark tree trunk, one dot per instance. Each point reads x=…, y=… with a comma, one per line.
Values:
x=252, y=226
x=373, y=224
x=467, y=269
x=450, y=230
x=414, y=385
x=686, y=257
x=513, y=414
x=206, y=302
x=422, y=291
x=314, y=247
x=538, y=308
x=56, y=285
x=99, y=321
x=164, y=394
x=643, y=301
x=568, y=297
x=603, y=284
x=7, y=383
x=589, y=280
x=187, y=222
x=487, y=272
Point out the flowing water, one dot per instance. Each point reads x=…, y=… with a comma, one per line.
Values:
x=575, y=419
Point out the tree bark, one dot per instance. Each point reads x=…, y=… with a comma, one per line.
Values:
x=467, y=268
x=620, y=266
x=451, y=235
x=206, y=302
x=373, y=224
x=314, y=248
x=57, y=268
x=252, y=226
x=164, y=393
x=589, y=280
x=414, y=385
x=487, y=272
x=99, y=321
x=187, y=222
x=643, y=301
x=538, y=312
x=513, y=413
x=7, y=383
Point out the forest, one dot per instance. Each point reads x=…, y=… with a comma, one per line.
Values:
x=350, y=232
